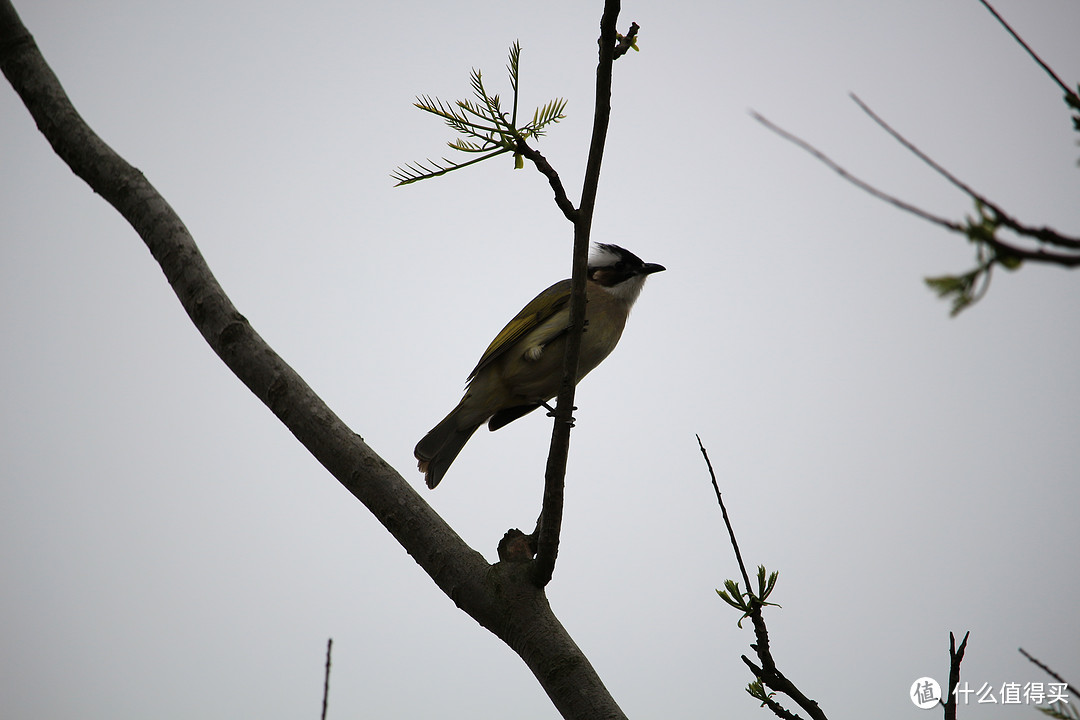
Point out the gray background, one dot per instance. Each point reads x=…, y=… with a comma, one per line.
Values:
x=168, y=550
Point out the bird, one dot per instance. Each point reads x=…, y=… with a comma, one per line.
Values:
x=521, y=369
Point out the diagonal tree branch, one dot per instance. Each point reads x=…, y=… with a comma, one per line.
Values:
x=1045, y=235
x=500, y=597
x=1035, y=661
x=541, y=163
x=1034, y=56
x=853, y=179
x=1002, y=248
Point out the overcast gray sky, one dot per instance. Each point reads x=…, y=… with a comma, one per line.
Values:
x=170, y=551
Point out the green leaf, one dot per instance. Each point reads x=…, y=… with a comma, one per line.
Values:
x=1010, y=262
x=733, y=596
x=757, y=691
x=483, y=126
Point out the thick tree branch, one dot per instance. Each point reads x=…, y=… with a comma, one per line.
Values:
x=349, y=459
x=500, y=597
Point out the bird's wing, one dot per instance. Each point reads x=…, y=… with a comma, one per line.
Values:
x=539, y=309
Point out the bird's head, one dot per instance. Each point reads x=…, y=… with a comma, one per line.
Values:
x=619, y=271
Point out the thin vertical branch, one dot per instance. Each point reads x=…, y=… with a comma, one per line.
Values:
x=956, y=656
x=326, y=678
x=550, y=524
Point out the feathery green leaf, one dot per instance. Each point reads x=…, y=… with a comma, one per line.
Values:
x=482, y=125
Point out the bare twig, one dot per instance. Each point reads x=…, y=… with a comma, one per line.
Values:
x=326, y=678
x=723, y=511
x=914, y=150
x=1024, y=45
x=1051, y=673
x=856, y=181
x=956, y=656
x=768, y=673
x=1045, y=235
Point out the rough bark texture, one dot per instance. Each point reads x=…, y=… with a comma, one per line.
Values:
x=500, y=597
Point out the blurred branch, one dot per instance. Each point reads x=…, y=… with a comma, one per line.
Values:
x=981, y=230
x=1034, y=56
x=1043, y=234
x=767, y=673
x=999, y=216
x=991, y=249
x=326, y=678
x=854, y=180
x=1072, y=97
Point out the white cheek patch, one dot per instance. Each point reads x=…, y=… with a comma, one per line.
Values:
x=628, y=290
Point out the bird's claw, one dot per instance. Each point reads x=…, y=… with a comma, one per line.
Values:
x=551, y=413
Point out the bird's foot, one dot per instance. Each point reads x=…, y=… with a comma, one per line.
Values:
x=551, y=413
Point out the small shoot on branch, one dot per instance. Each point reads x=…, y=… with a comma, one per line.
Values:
x=484, y=127
x=748, y=601
x=966, y=289
x=757, y=690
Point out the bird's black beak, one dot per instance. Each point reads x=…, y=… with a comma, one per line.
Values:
x=650, y=268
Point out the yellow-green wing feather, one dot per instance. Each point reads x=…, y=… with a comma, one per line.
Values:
x=540, y=308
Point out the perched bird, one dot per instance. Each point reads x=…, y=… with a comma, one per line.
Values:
x=522, y=367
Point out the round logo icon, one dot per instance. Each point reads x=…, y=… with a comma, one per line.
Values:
x=925, y=693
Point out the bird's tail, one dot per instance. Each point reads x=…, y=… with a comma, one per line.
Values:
x=438, y=449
